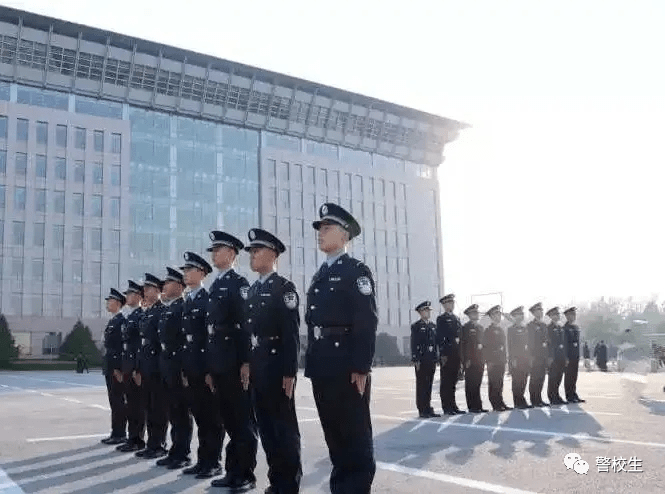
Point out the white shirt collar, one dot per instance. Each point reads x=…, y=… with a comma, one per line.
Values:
x=334, y=256
x=263, y=278
x=220, y=274
x=171, y=301
x=192, y=293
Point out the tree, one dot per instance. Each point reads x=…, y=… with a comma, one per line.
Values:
x=8, y=348
x=79, y=340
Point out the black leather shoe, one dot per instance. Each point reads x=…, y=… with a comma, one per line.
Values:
x=433, y=414
x=164, y=462
x=115, y=440
x=208, y=472
x=477, y=410
x=459, y=412
x=179, y=463
x=151, y=454
x=579, y=400
x=423, y=415
x=449, y=411
x=130, y=447
x=270, y=490
x=225, y=481
x=195, y=470
x=241, y=485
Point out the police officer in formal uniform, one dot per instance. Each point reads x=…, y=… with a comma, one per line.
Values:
x=539, y=347
x=424, y=356
x=494, y=351
x=341, y=331
x=448, y=333
x=228, y=354
x=131, y=341
x=172, y=339
x=519, y=357
x=558, y=358
x=273, y=320
x=471, y=348
x=113, y=368
x=573, y=342
x=194, y=366
x=147, y=376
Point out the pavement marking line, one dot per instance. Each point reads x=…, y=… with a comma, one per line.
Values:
x=57, y=381
x=449, y=479
x=40, y=464
x=64, y=398
x=63, y=438
x=7, y=485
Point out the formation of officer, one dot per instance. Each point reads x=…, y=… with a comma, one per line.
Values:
x=424, y=355
x=448, y=334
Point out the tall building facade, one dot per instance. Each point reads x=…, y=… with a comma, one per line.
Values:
x=117, y=155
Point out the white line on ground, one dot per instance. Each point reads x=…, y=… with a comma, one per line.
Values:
x=7, y=485
x=69, y=383
x=63, y=438
x=461, y=481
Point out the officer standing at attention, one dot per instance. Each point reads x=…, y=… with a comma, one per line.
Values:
x=131, y=341
x=273, y=320
x=228, y=366
x=341, y=332
x=448, y=333
x=573, y=341
x=172, y=339
x=538, y=344
x=494, y=350
x=113, y=368
x=423, y=355
x=147, y=375
x=518, y=353
x=558, y=358
x=194, y=366
x=474, y=363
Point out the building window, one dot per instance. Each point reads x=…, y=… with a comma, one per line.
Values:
x=2, y=197
x=79, y=138
x=115, y=175
x=115, y=240
x=59, y=202
x=3, y=162
x=113, y=273
x=19, y=199
x=77, y=271
x=114, y=205
x=116, y=143
x=284, y=202
x=18, y=232
x=96, y=273
x=61, y=136
x=40, y=166
x=322, y=179
x=21, y=129
x=309, y=175
x=98, y=173
x=97, y=206
x=59, y=236
x=77, y=204
x=96, y=239
x=61, y=168
x=17, y=270
x=42, y=133
x=21, y=164
x=79, y=171
x=40, y=200
x=283, y=173
x=38, y=270
x=77, y=238
x=55, y=302
x=99, y=141
x=3, y=127
x=57, y=270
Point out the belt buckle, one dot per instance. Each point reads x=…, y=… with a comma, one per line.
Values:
x=211, y=329
x=317, y=332
x=144, y=341
x=190, y=338
x=255, y=341
x=164, y=347
x=431, y=348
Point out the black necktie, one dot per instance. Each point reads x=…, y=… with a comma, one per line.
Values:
x=254, y=288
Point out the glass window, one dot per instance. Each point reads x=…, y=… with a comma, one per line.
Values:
x=42, y=133
x=17, y=269
x=116, y=143
x=99, y=141
x=77, y=238
x=113, y=273
x=2, y=197
x=61, y=136
x=322, y=179
x=19, y=199
x=79, y=171
x=2, y=239
x=284, y=203
x=96, y=273
x=38, y=270
x=114, y=205
x=309, y=175
x=115, y=175
x=284, y=173
x=21, y=129
x=40, y=166
x=96, y=107
x=58, y=236
x=58, y=202
x=98, y=173
x=288, y=143
x=79, y=138
x=40, y=200
x=321, y=149
x=271, y=170
x=3, y=162
x=56, y=265
x=115, y=240
x=18, y=232
x=21, y=164
x=402, y=192
x=61, y=168
x=77, y=271
x=96, y=239
x=97, y=206
x=3, y=127
x=77, y=204
x=42, y=97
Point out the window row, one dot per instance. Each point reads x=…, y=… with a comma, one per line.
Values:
x=41, y=165
x=53, y=201
x=75, y=305
x=75, y=239
x=53, y=271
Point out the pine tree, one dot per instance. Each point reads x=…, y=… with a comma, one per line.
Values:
x=79, y=340
x=8, y=348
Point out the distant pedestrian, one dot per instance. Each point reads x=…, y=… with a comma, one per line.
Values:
x=601, y=356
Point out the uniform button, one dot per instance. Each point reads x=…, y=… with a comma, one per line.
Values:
x=250, y=306
x=560, y=346
x=249, y=320
x=332, y=289
x=544, y=345
x=273, y=351
x=337, y=344
x=480, y=346
x=312, y=307
x=500, y=348
x=316, y=290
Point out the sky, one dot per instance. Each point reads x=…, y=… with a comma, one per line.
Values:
x=554, y=194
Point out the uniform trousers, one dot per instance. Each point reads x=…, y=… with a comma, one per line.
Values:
x=520, y=375
x=135, y=411
x=203, y=405
x=424, y=381
x=570, y=381
x=449, y=373
x=116, y=394
x=538, y=371
x=153, y=392
x=237, y=418
x=554, y=379
x=473, y=377
x=179, y=417
x=347, y=427
x=495, y=373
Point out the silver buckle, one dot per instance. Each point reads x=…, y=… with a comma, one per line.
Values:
x=317, y=332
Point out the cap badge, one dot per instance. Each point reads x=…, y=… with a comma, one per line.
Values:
x=252, y=234
x=324, y=210
x=212, y=236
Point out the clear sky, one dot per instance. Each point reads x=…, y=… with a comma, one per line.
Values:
x=555, y=192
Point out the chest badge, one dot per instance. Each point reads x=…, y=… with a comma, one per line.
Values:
x=244, y=292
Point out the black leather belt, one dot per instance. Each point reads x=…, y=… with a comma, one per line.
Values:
x=328, y=331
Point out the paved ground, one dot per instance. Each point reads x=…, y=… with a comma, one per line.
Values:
x=51, y=423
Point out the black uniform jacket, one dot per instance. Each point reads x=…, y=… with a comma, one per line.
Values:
x=113, y=344
x=131, y=340
x=196, y=335
x=423, y=342
x=148, y=359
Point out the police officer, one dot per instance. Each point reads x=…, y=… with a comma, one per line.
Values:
x=471, y=348
x=539, y=349
x=341, y=331
x=494, y=351
x=147, y=376
x=172, y=339
x=558, y=358
x=518, y=353
x=228, y=365
x=273, y=320
x=113, y=368
x=448, y=333
x=572, y=331
x=199, y=397
x=131, y=341
x=424, y=355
